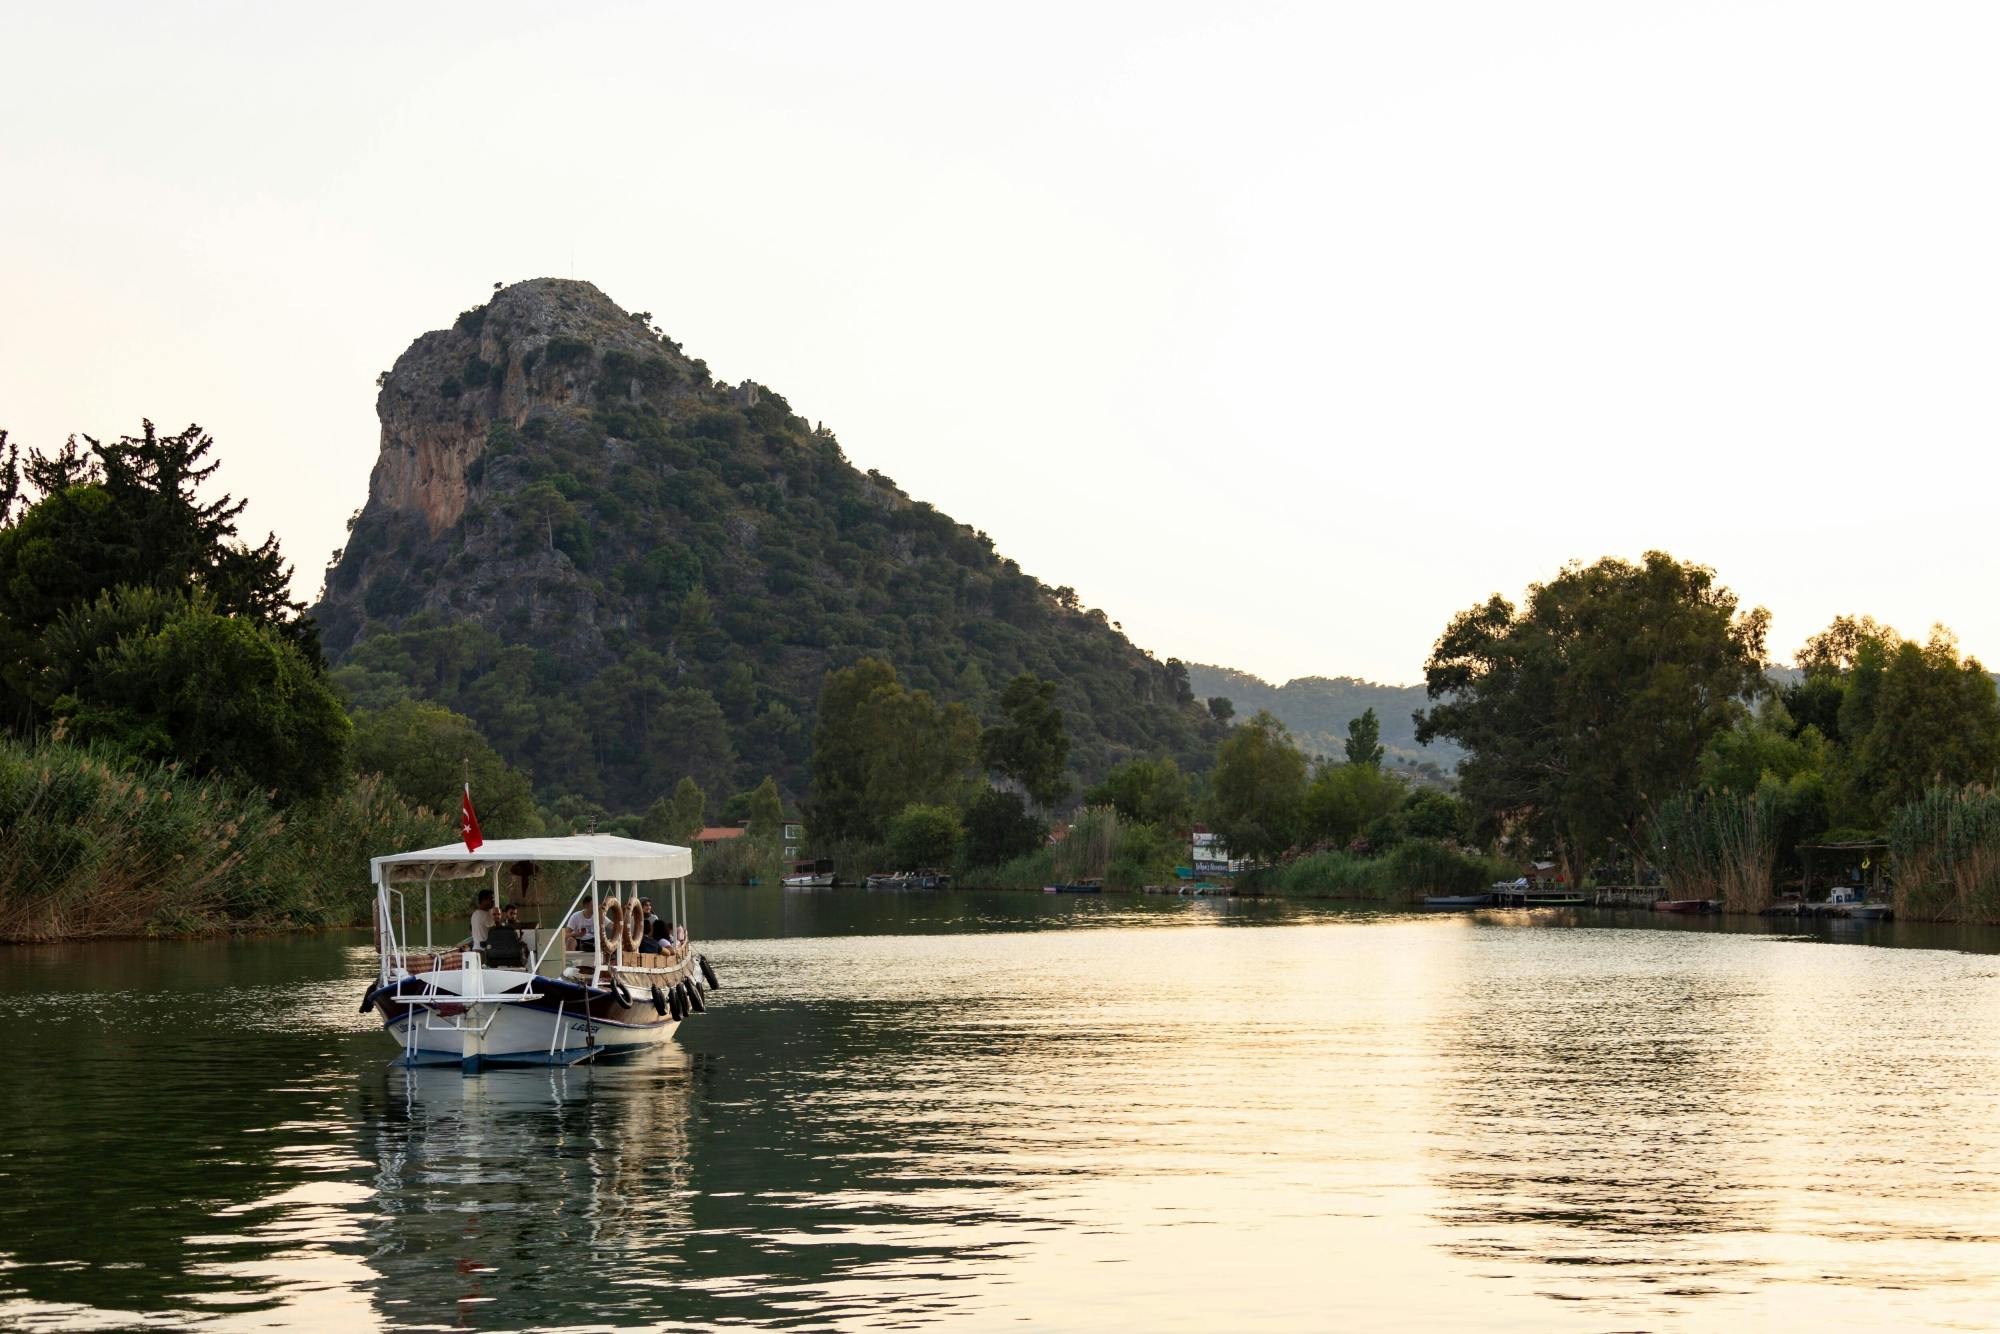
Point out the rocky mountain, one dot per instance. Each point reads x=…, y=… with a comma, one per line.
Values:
x=625, y=571
x=1317, y=709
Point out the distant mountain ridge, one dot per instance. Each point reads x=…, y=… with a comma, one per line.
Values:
x=1318, y=709
x=625, y=572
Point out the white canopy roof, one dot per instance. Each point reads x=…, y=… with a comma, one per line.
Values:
x=610, y=857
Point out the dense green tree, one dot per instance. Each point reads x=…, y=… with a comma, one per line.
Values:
x=1834, y=650
x=1258, y=788
x=429, y=754
x=1429, y=813
x=1933, y=721
x=70, y=649
x=765, y=810
x=124, y=513
x=1594, y=700
x=677, y=818
x=998, y=828
x=922, y=835
x=1344, y=800
x=878, y=747
x=222, y=695
x=1221, y=708
x=1764, y=744
x=1874, y=721
x=1029, y=744
x=1146, y=791
x=1364, y=740
x=689, y=735
x=838, y=803
x=1813, y=701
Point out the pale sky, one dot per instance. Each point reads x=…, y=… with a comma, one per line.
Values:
x=1280, y=332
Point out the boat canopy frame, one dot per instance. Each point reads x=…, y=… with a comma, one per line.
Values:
x=611, y=859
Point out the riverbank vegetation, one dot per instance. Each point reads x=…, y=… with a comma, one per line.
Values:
x=93, y=843
x=176, y=756
x=175, y=759
x=1624, y=720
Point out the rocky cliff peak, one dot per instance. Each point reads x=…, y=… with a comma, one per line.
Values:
x=626, y=573
x=547, y=342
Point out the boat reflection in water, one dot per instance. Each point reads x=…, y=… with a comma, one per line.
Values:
x=533, y=1186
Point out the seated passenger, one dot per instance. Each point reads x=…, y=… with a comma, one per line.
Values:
x=505, y=948
x=582, y=930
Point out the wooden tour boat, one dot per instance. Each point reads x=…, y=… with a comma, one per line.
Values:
x=528, y=999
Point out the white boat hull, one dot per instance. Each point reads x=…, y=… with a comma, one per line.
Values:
x=423, y=1016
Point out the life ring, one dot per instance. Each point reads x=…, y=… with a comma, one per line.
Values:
x=613, y=930
x=709, y=973
x=635, y=925
x=620, y=992
x=659, y=1000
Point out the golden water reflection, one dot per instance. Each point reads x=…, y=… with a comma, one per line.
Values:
x=1200, y=1116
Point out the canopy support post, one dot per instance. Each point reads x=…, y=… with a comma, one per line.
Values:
x=596, y=931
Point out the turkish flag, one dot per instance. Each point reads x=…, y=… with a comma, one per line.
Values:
x=468, y=823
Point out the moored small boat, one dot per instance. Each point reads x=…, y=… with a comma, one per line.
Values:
x=909, y=880
x=1457, y=900
x=1682, y=905
x=1089, y=886
x=815, y=874
x=1847, y=901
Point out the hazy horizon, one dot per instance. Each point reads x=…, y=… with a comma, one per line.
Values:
x=1280, y=334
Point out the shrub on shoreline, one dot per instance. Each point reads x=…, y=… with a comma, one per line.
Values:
x=93, y=847
x=1408, y=871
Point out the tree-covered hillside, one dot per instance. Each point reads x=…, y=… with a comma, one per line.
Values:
x=1317, y=710
x=625, y=572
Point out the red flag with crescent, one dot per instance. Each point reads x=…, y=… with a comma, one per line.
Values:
x=468, y=824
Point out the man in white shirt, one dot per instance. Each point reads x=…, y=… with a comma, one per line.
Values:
x=482, y=920
x=578, y=927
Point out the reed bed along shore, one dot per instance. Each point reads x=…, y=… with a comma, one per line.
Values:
x=93, y=847
x=1944, y=849
x=1718, y=846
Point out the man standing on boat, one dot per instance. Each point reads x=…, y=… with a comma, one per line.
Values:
x=482, y=920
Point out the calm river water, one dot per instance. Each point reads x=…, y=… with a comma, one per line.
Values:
x=986, y=1110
